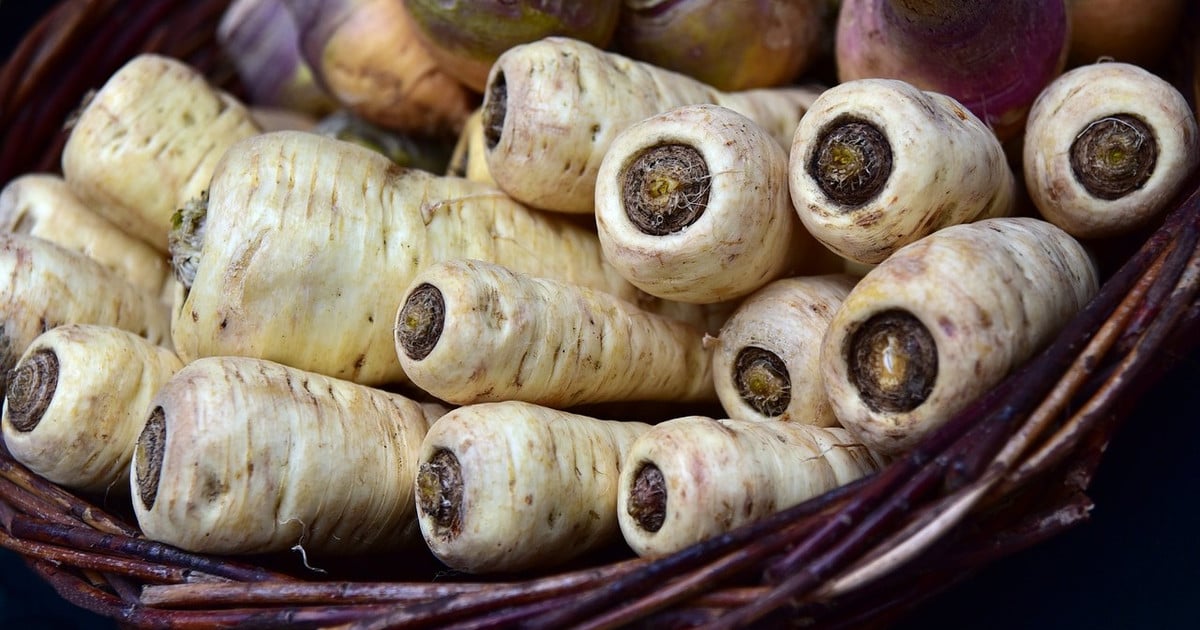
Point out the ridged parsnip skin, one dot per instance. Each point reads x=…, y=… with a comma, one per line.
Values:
x=49, y=285
x=514, y=336
x=1078, y=100
x=990, y=293
x=42, y=205
x=539, y=485
x=747, y=233
x=259, y=457
x=565, y=102
x=310, y=243
x=105, y=378
x=787, y=318
x=947, y=168
x=719, y=474
x=148, y=141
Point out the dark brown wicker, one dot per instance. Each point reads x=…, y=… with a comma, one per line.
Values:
x=1006, y=473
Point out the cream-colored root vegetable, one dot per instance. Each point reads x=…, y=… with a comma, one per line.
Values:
x=306, y=245
x=1107, y=147
x=511, y=486
x=241, y=455
x=77, y=400
x=877, y=164
x=468, y=159
x=692, y=205
x=470, y=331
x=42, y=205
x=944, y=319
x=767, y=359
x=49, y=285
x=552, y=108
x=692, y=478
x=147, y=142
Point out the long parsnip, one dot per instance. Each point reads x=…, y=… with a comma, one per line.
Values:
x=470, y=331
x=511, y=486
x=242, y=455
x=77, y=400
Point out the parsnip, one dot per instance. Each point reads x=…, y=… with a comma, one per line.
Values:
x=308, y=244
x=877, y=164
x=692, y=205
x=468, y=159
x=552, y=108
x=1107, y=147
x=241, y=455
x=691, y=478
x=469, y=331
x=77, y=401
x=49, y=285
x=944, y=319
x=510, y=486
x=767, y=359
x=147, y=142
x=42, y=205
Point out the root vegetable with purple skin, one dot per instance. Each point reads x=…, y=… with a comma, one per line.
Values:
x=877, y=164
x=766, y=360
x=692, y=478
x=692, y=205
x=511, y=486
x=944, y=319
x=553, y=107
x=1108, y=146
x=77, y=401
x=993, y=57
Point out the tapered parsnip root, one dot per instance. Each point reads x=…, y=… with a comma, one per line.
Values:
x=470, y=331
x=691, y=478
x=42, y=205
x=944, y=319
x=1107, y=147
x=469, y=159
x=552, y=108
x=307, y=244
x=877, y=164
x=692, y=205
x=241, y=455
x=148, y=141
x=512, y=486
x=766, y=361
x=77, y=400
x=49, y=285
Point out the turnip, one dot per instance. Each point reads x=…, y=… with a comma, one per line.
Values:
x=148, y=141
x=42, y=205
x=49, y=285
x=1139, y=32
x=691, y=478
x=511, y=486
x=692, y=205
x=993, y=57
x=368, y=56
x=944, y=319
x=470, y=331
x=1108, y=146
x=77, y=400
x=766, y=360
x=242, y=455
x=728, y=45
x=306, y=244
x=552, y=108
x=877, y=164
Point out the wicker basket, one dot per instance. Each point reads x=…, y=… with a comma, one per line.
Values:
x=1005, y=474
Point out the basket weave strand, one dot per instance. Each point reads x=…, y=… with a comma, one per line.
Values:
x=1006, y=473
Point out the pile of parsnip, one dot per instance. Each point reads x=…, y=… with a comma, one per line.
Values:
x=422, y=280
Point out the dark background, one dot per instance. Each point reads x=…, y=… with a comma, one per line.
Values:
x=1134, y=564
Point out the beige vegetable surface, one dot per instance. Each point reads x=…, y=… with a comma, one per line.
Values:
x=512, y=486
x=241, y=455
x=944, y=319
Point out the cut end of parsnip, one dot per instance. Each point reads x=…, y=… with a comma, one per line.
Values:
x=1114, y=156
x=420, y=321
x=440, y=492
x=762, y=380
x=31, y=387
x=148, y=456
x=852, y=162
x=666, y=189
x=648, y=498
x=893, y=361
x=494, y=109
